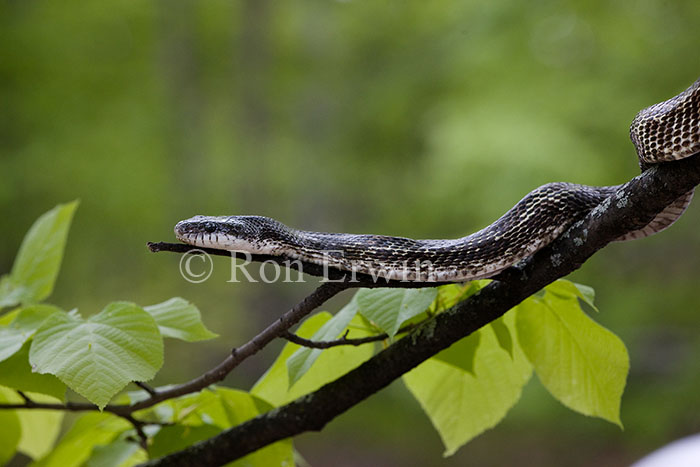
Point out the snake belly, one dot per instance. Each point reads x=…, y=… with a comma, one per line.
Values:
x=663, y=132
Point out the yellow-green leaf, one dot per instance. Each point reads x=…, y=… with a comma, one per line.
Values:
x=10, y=431
x=461, y=404
x=89, y=430
x=331, y=364
x=505, y=340
x=581, y=363
x=461, y=353
x=39, y=428
x=567, y=289
x=203, y=415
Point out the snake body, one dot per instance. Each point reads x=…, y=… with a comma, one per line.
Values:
x=663, y=132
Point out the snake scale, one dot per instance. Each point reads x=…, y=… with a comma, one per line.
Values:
x=664, y=132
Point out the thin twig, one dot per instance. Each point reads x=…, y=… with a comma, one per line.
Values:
x=30, y=404
x=138, y=426
x=325, y=291
x=67, y=406
x=145, y=387
x=291, y=337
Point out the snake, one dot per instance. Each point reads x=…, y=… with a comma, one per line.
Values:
x=664, y=132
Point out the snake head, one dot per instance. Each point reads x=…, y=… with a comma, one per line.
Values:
x=223, y=232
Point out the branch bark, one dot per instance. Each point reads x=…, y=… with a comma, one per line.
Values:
x=632, y=206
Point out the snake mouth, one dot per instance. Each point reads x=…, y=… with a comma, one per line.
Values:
x=219, y=233
x=217, y=241
x=191, y=229
x=201, y=231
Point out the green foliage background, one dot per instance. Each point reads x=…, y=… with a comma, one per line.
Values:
x=424, y=119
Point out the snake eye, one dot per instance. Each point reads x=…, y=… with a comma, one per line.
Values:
x=209, y=227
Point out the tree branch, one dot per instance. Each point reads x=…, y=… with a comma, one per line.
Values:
x=138, y=427
x=632, y=206
x=30, y=404
x=218, y=373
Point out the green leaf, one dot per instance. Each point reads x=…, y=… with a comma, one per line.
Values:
x=448, y=295
x=119, y=453
x=180, y=319
x=200, y=416
x=301, y=360
x=241, y=406
x=331, y=364
x=10, y=431
x=177, y=437
x=23, y=326
x=587, y=294
x=8, y=317
x=503, y=335
x=461, y=353
x=567, y=289
x=461, y=405
x=389, y=308
x=581, y=363
x=89, y=430
x=39, y=428
x=99, y=356
x=39, y=258
x=16, y=373
x=451, y=294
